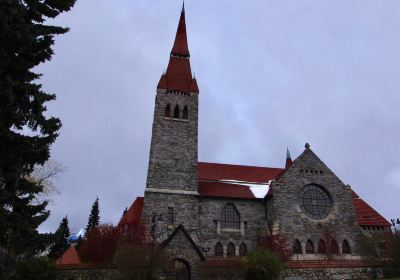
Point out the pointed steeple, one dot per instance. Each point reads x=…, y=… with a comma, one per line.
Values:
x=288, y=159
x=179, y=74
x=180, y=47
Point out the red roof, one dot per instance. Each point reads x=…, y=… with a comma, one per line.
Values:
x=69, y=257
x=218, y=171
x=179, y=75
x=218, y=189
x=134, y=213
x=193, y=86
x=181, y=45
x=366, y=215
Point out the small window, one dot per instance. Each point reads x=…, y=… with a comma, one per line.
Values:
x=230, y=250
x=334, y=247
x=176, y=112
x=242, y=250
x=245, y=225
x=170, y=216
x=230, y=217
x=309, y=247
x=346, y=247
x=185, y=113
x=321, y=247
x=167, y=111
x=297, y=247
x=218, y=250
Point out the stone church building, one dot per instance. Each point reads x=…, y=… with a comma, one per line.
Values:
x=204, y=212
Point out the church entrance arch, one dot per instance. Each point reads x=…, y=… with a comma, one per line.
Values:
x=180, y=270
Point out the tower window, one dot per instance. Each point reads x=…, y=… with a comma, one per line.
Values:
x=168, y=111
x=230, y=217
x=321, y=247
x=218, y=250
x=242, y=250
x=185, y=113
x=334, y=247
x=309, y=247
x=230, y=250
x=176, y=112
x=346, y=247
x=170, y=216
x=297, y=247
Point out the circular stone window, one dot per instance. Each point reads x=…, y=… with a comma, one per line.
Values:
x=315, y=202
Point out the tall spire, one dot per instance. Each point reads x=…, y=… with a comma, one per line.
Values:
x=288, y=159
x=180, y=47
x=179, y=75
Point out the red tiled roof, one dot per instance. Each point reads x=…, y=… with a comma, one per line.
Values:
x=218, y=171
x=134, y=213
x=69, y=257
x=366, y=215
x=193, y=86
x=163, y=82
x=179, y=74
x=181, y=45
x=218, y=189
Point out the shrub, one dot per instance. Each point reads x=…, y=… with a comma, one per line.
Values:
x=262, y=264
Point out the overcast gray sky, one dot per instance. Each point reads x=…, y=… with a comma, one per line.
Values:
x=272, y=74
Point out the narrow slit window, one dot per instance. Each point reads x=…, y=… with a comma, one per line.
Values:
x=346, y=247
x=230, y=250
x=309, y=247
x=167, y=111
x=297, y=247
x=185, y=113
x=176, y=112
x=170, y=216
x=218, y=250
x=242, y=250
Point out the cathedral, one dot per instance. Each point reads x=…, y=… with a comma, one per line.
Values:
x=205, y=212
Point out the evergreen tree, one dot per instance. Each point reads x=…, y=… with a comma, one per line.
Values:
x=94, y=217
x=61, y=236
x=26, y=133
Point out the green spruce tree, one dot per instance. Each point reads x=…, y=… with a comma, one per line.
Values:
x=94, y=217
x=60, y=244
x=26, y=132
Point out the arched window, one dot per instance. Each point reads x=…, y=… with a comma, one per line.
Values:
x=321, y=247
x=346, y=247
x=230, y=250
x=297, y=247
x=334, y=247
x=176, y=112
x=309, y=247
x=167, y=111
x=218, y=250
x=242, y=250
x=230, y=217
x=185, y=113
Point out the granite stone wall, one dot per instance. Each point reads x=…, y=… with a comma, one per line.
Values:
x=253, y=224
x=173, y=151
x=292, y=222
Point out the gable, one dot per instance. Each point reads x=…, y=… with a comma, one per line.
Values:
x=180, y=240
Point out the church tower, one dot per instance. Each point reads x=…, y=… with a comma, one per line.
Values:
x=171, y=186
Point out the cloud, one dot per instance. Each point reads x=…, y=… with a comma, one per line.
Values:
x=272, y=74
